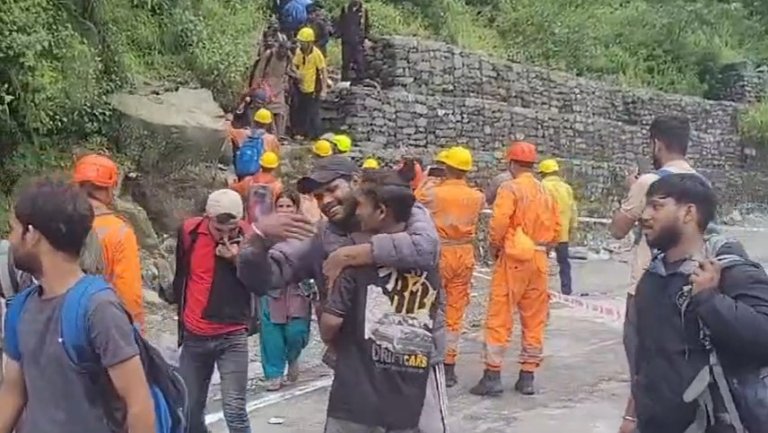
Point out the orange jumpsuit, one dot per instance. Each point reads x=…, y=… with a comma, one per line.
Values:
x=122, y=263
x=266, y=178
x=455, y=208
x=525, y=221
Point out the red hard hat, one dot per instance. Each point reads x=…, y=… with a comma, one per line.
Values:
x=521, y=151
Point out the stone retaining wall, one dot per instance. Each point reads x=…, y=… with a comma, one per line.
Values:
x=432, y=68
x=434, y=95
x=390, y=124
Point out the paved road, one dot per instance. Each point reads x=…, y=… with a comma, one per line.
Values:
x=582, y=384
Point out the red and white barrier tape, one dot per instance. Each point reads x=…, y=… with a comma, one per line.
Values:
x=613, y=313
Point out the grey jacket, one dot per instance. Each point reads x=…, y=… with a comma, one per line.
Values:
x=493, y=186
x=291, y=262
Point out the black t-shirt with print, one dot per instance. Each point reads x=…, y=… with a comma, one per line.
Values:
x=384, y=345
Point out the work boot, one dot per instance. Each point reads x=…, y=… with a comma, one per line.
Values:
x=450, y=376
x=489, y=385
x=524, y=384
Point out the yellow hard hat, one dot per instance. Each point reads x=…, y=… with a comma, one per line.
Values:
x=322, y=148
x=548, y=166
x=442, y=156
x=459, y=158
x=371, y=163
x=269, y=160
x=263, y=116
x=306, y=35
x=343, y=142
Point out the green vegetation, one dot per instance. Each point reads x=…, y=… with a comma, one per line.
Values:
x=60, y=59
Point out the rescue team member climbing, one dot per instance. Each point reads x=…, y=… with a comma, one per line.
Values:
x=49, y=225
x=323, y=256
x=455, y=208
x=214, y=309
x=353, y=29
x=97, y=176
x=524, y=223
x=263, y=122
x=566, y=203
x=370, y=164
x=702, y=320
x=312, y=80
x=381, y=386
x=322, y=148
x=342, y=142
x=269, y=163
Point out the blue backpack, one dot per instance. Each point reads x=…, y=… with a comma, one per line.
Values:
x=294, y=14
x=248, y=156
x=166, y=385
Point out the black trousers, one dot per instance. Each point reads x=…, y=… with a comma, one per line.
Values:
x=564, y=263
x=306, y=120
x=352, y=56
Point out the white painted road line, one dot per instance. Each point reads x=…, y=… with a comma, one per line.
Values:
x=268, y=399
x=605, y=311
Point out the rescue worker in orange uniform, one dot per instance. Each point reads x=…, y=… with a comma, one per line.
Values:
x=98, y=176
x=434, y=175
x=525, y=222
x=455, y=208
x=269, y=162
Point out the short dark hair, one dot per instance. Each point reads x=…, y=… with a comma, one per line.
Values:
x=59, y=210
x=673, y=131
x=408, y=170
x=387, y=188
x=688, y=188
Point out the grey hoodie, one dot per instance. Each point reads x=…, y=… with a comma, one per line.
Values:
x=291, y=262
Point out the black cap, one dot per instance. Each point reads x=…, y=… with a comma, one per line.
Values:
x=325, y=171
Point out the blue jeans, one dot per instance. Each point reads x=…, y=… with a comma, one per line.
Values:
x=229, y=353
x=561, y=252
x=281, y=343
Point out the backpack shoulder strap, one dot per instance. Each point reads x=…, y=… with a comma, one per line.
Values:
x=9, y=282
x=11, y=325
x=663, y=172
x=267, y=62
x=75, y=335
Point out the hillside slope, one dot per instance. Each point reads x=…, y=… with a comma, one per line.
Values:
x=59, y=59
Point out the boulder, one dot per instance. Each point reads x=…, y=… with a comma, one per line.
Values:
x=138, y=218
x=170, y=198
x=162, y=132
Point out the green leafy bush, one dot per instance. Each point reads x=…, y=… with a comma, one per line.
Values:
x=753, y=124
x=61, y=59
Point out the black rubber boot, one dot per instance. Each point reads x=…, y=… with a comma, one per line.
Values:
x=524, y=384
x=450, y=376
x=489, y=385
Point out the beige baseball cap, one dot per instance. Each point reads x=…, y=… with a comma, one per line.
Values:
x=224, y=201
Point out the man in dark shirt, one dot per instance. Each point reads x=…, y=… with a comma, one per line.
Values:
x=49, y=225
x=694, y=286
x=353, y=27
x=380, y=321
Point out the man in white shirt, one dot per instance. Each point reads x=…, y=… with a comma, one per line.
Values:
x=669, y=136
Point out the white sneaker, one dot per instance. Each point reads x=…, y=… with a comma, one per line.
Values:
x=275, y=384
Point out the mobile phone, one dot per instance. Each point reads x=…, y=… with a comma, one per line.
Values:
x=436, y=172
